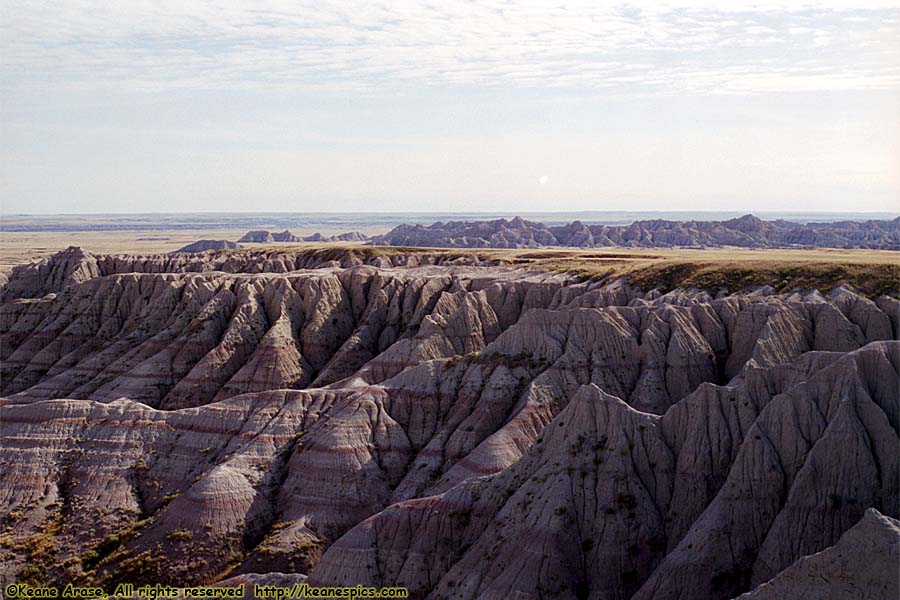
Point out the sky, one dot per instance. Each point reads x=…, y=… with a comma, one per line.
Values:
x=446, y=106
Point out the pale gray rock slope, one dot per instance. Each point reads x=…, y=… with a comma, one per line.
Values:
x=861, y=566
x=69, y=267
x=350, y=236
x=206, y=246
x=258, y=236
x=266, y=237
x=459, y=428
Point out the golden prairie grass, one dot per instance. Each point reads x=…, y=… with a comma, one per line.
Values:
x=873, y=272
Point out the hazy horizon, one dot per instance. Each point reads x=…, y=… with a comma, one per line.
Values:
x=499, y=107
x=372, y=222
x=738, y=211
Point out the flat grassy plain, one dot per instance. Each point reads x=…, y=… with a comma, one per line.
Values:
x=873, y=272
x=20, y=247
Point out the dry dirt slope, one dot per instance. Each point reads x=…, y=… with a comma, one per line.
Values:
x=440, y=421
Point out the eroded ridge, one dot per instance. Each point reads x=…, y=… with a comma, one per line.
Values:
x=471, y=431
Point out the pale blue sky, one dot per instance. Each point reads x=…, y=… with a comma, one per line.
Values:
x=444, y=106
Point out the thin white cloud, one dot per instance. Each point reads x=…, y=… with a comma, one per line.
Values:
x=365, y=47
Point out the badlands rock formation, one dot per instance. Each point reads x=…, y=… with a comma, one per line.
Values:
x=206, y=246
x=73, y=265
x=443, y=423
x=261, y=236
x=265, y=237
x=350, y=236
x=747, y=231
x=868, y=554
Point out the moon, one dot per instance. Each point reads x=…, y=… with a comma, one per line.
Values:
x=544, y=180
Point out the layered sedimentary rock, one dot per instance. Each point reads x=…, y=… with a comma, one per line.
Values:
x=257, y=236
x=175, y=340
x=465, y=430
x=747, y=231
x=74, y=265
x=207, y=245
x=611, y=502
x=285, y=236
x=69, y=267
x=349, y=236
x=265, y=237
x=861, y=566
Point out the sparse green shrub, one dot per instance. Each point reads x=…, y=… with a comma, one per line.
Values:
x=179, y=535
